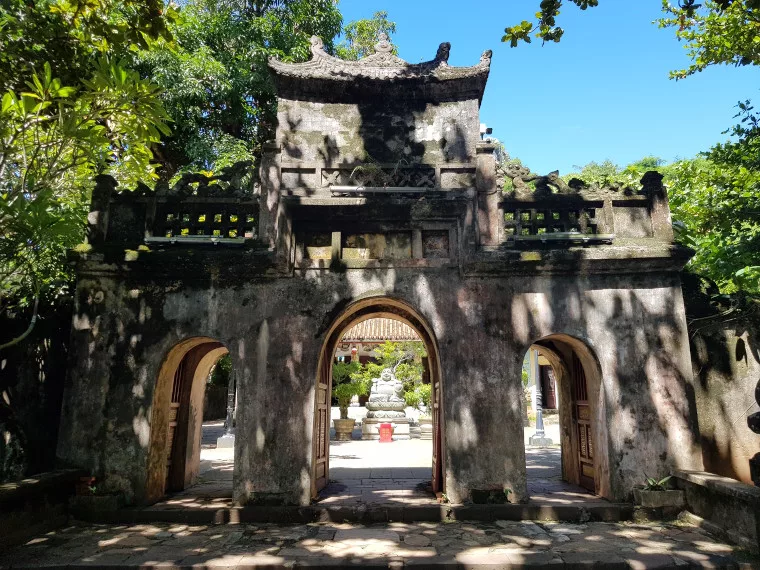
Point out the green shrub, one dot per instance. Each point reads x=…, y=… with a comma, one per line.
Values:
x=344, y=392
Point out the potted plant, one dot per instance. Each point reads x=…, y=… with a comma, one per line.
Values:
x=344, y=392
x=92, y=498
x=656, y=494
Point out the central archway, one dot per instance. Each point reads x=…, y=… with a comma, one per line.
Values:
x=364, y=309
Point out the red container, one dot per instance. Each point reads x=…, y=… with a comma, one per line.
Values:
x=386, y=433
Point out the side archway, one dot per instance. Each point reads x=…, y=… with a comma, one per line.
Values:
x=582, y=411
x=177, y=416
x=364, y=309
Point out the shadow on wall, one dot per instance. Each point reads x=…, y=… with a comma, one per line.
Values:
x=631, y=325
x=725, y=353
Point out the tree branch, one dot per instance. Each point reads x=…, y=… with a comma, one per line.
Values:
x=28, y=330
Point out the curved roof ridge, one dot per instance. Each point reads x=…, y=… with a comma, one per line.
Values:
x=382, y=64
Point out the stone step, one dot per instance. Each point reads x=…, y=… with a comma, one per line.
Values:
x=474, y=545
x=367, y=513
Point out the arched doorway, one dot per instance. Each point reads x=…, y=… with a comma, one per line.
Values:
x=177, y=416
x=374, y=307
x=570, y=379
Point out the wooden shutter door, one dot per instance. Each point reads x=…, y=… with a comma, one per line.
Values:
x=435, y=402
x=322, y=427
x=582, y=419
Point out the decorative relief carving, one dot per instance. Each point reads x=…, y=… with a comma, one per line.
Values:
x=373, y=176
x=527, y=184
x=521, y=176
x=457, y=179
x=435, y=244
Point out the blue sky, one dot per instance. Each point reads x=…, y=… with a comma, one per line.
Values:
x=602, y=93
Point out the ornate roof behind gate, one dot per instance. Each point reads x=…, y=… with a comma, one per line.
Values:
x=331, y=76
x=379, y=330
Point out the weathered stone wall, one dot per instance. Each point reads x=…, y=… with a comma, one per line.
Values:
x=344, y=133
x=725, y=352
x=275, y=329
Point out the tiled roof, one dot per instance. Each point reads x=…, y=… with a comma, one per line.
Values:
x=382, y=65
x=380, y=329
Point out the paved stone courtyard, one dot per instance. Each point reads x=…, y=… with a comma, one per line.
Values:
x=500, y=544
x=373, y=473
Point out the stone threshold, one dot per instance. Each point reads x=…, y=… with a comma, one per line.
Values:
x=535, y=561
x=367, y=514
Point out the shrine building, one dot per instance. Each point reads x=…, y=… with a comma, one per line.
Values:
x=378, y=199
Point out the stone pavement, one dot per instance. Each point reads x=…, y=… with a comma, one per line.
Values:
x=372, y=473
x=500, y=544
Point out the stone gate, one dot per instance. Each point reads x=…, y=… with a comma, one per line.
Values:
x=378, y=198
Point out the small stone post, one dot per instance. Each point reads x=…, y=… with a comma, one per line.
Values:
x=272, y=217
x=539, y=438
x=658, y=206
x=97, y=218
x=228, y=439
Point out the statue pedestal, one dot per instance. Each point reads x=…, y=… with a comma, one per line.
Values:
x=540, y=441
x=226, y=441
x=371, y=427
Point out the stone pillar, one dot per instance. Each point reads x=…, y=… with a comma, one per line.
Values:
x=490, y=217
x=484, y=455
x=662, y=226
x=270, y=210
x=228, y=439
x=97, y=219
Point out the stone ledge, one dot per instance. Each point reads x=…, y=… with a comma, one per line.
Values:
x=36, y=485
x=35, y=505
x=604, y=512
x=727, y=504
x=723, y=485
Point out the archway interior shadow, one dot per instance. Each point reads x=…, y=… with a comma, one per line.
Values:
x=367, y=471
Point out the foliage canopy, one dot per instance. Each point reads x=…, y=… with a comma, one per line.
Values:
x=360, y=36
x=715, y=32
x=214, y=78
x=70, y=109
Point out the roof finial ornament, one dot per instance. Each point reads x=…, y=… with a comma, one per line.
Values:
x=317, y=45
x=384, y=44
x=443, y=52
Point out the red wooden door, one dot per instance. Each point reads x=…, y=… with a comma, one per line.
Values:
x=582, y=420
x=322, y=427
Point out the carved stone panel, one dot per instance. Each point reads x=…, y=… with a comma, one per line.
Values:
x=390, y=245
x=457, y=179
x=435, y=244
